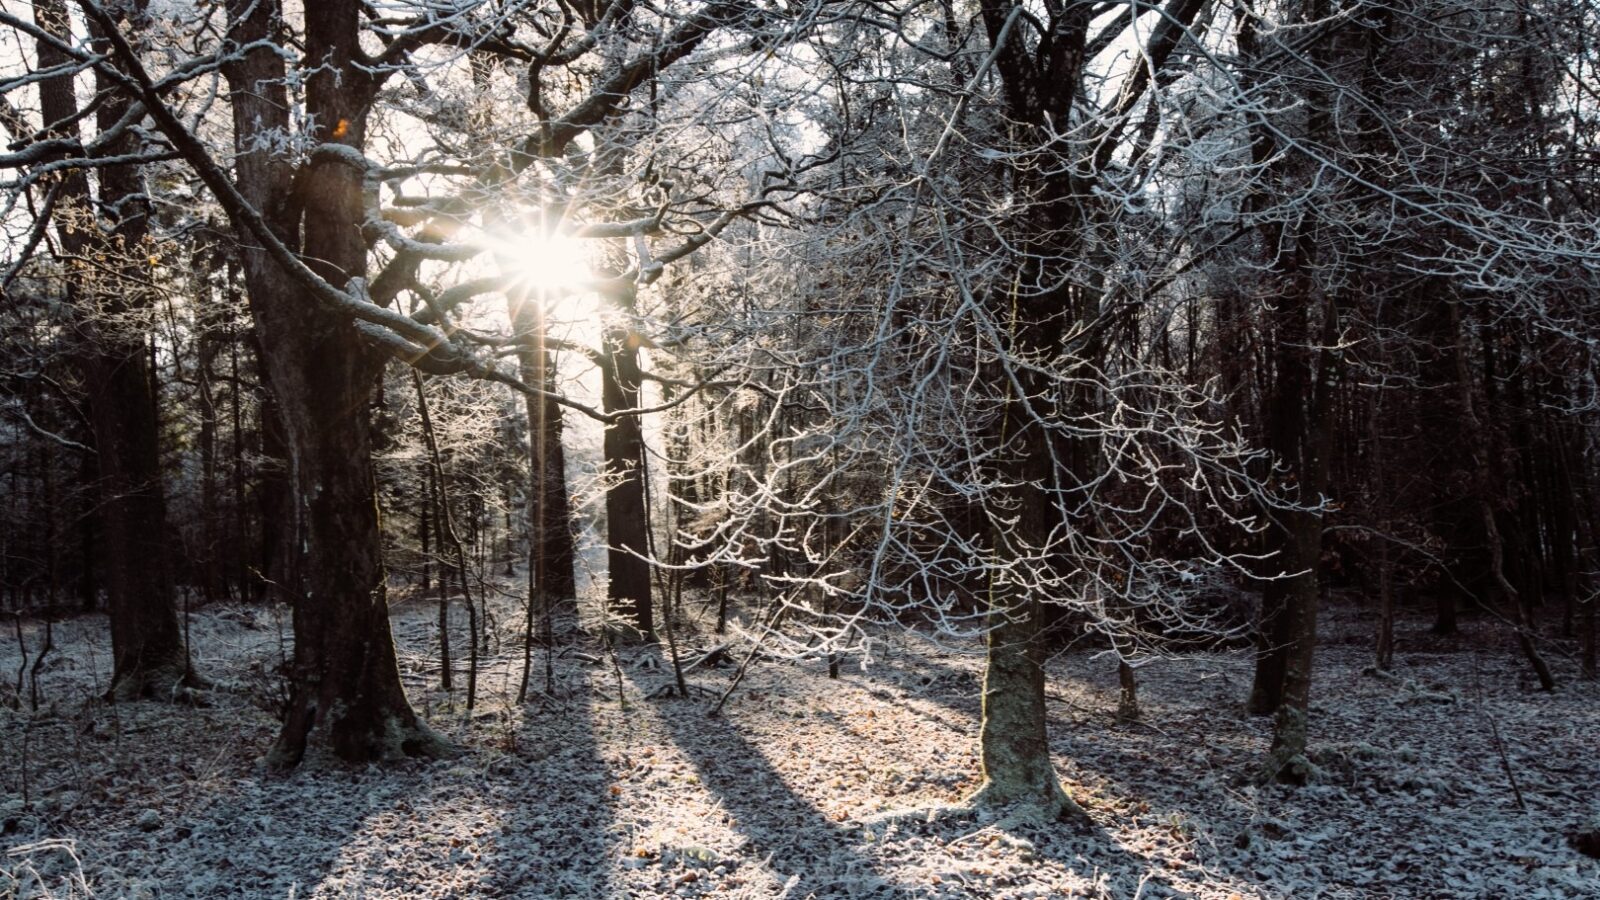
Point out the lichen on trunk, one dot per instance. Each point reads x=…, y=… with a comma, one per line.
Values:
x=1013, y=739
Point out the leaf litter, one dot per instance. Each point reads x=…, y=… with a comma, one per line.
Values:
x=786, y=794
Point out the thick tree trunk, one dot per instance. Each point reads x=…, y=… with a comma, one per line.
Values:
x=1013, y=743
x=347, y=697
x=147, y=653
x=1287, y=761
x=114, y=362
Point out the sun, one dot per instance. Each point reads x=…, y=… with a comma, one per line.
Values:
x=556, y=265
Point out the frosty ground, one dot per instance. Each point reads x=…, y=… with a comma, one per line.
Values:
x=784, y=795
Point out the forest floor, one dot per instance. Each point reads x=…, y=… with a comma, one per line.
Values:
x=586, y=797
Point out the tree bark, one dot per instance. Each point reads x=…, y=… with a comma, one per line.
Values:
x=114, y=363
x=549, y=504
x=1014, y=748
x=627, y=518
x=346, y=698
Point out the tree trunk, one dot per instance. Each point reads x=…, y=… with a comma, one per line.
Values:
x=147, y=653
x=1128, y=696
x=346, y=695
x=1272, y=634
x=1484, y=472
x=627, y=518
x=1287, y=760
x=1378, y=472
x=88, y=541
x=1013, y=745
x=1588, y=520
x=549, y=503
x=1294, y=563
x=213, y=581
x=1015, y=750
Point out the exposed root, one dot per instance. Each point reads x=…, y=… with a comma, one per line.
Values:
x=170, y=683
x=398, y=741
x=1295, y=769
x=1055, y=806
x=986, y=805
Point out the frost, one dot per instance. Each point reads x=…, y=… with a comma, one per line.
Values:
x=781, y=797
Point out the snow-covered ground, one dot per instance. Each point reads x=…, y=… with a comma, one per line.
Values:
x=587, y=797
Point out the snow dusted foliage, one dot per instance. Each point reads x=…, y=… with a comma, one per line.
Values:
x=1021, y=325
x=878, y=454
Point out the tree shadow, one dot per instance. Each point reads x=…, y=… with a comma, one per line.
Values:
x=1117, y=845
x=831, y=860
x=172, y=800
x=556, y=814
x=807, y=852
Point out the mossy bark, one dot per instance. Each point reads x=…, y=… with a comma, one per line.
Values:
x=1013, y=741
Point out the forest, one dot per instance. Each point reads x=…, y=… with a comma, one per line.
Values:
x=799, y=449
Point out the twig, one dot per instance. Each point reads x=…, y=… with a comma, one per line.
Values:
x=773, y=616
x=1494, y=732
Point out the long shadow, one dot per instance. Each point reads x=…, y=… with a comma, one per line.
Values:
x=782, y=827
x=826, y=857
x=554, y=838
x=310, y=832
x=957, y=690
x=523, y=813
x=172, y=797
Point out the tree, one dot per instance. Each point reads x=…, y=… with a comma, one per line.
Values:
x=306, y=203
x=103, y=242
x=981, y=362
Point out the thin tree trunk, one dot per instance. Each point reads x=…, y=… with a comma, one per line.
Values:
x=627, y=519
x=1524, y=623
x=212, y=579
x=550, y=547
x=1128, y=697
x=431, y=498
x=1385, y=641
x=1589, y=525
x=447, y=532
